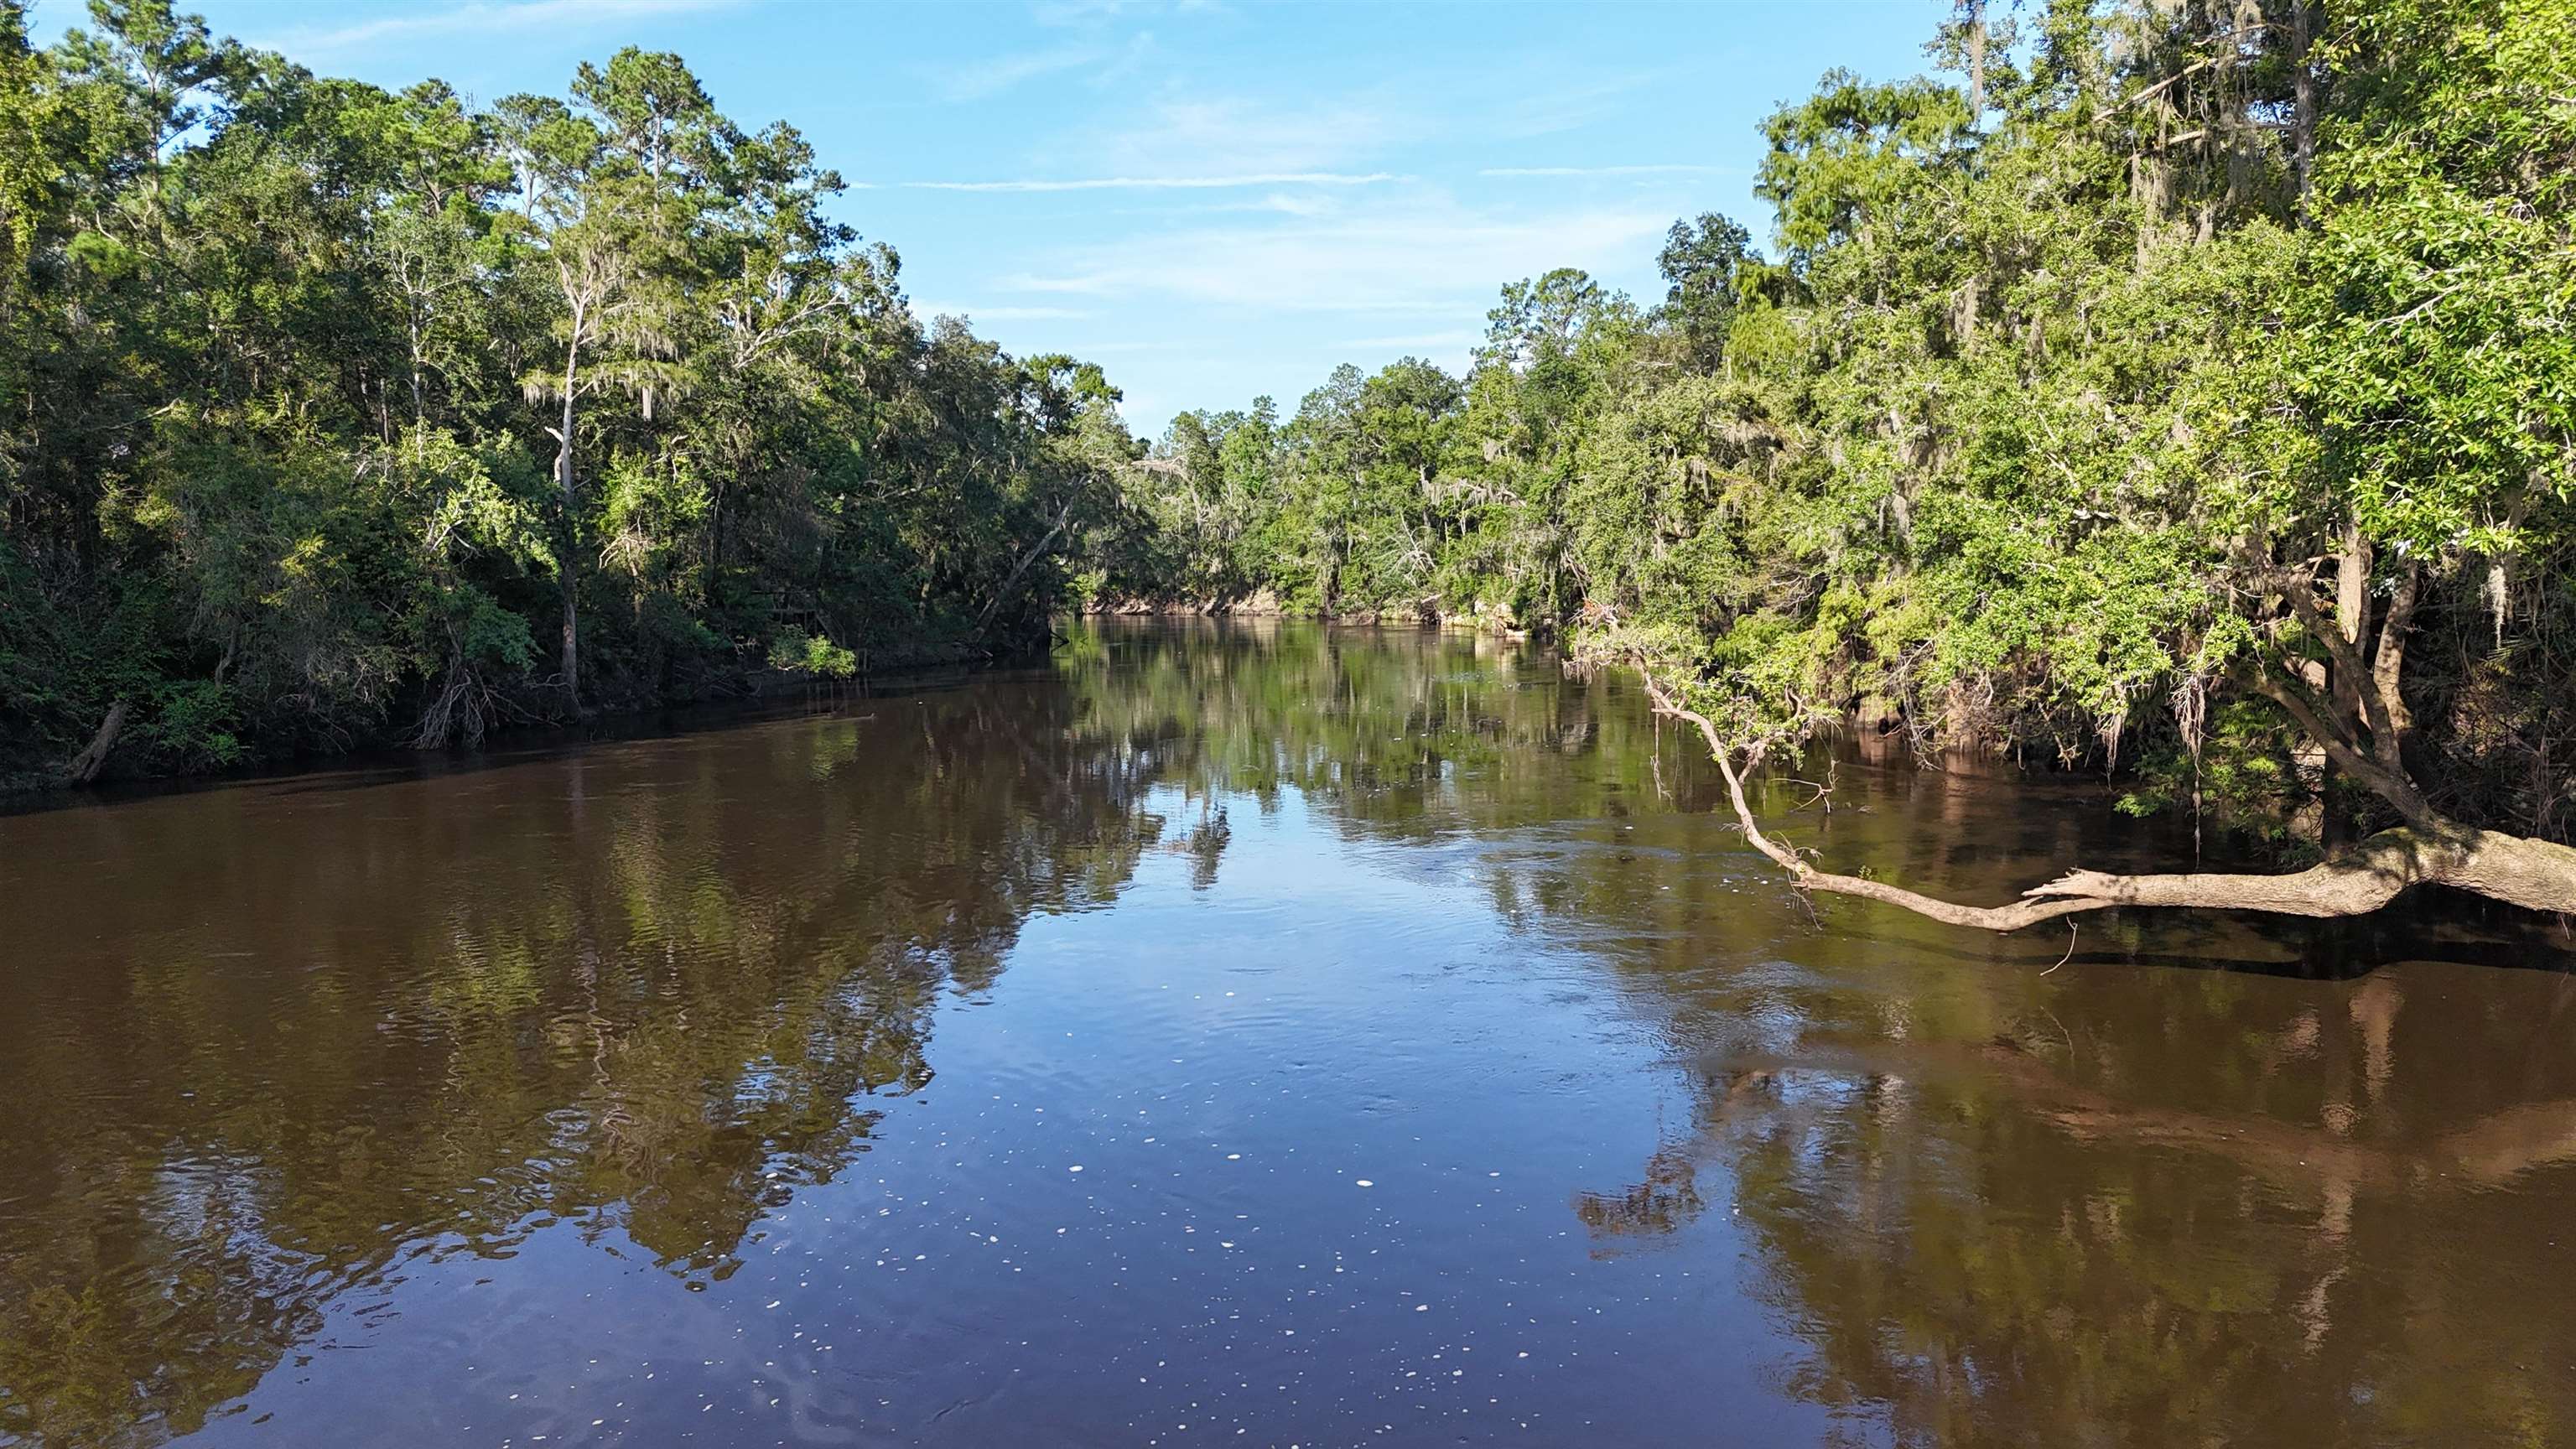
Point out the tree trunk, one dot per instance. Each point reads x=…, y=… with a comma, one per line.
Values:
x=1976, y=19
x=86, y=765
x=419, y=390
x=566, y=569
x=1063, y=517
x=2535, y=874
x=2303, y=112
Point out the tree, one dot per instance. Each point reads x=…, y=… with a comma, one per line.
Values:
x=2404, y=443
x=324, y=400
x=1705, y=262
x=2178, y=392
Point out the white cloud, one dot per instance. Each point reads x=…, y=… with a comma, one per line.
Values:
x=1159, y=183
x=1659, y=169
x=1543, y=103
x=1093, y=12
x=1421, y=257
x=983, y=79
x=1282, y=202
x=996, y=74
x=1236, y=135
x=999, y=314
x=1459, y=341
x=479, y=18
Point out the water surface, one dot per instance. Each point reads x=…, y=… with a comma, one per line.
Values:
x=1235, y=1036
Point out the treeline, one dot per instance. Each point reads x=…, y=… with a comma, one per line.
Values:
x=333, y=415
x=2184, y=389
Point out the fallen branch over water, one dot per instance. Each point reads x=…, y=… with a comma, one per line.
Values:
x=2519, y=870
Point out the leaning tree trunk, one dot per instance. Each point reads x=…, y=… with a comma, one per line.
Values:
x=2536, y=874
x=86, y=765
x=1036, y=550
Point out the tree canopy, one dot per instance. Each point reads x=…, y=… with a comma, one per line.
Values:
x=2181, y=391
x=333, y=415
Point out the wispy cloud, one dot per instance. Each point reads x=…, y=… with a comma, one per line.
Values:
x=1092, y=12
x=999, y=314
x=479, y=18
x=1456, y=341
x=1424, y=257
x=1292, y=205
x=1162, y=183
x=1546, y=102
x=1239, y=135
x=1656, y=169
x=995, y=74
x=991, y=76
x=1356, y=131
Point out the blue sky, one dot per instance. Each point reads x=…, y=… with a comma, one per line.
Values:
x=1214, y=200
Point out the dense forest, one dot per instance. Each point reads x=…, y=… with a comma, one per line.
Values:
x=2178, y=389
x=2182, y=390
x=333, y=416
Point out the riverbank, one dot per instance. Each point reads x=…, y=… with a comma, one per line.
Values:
x=531, y=716
x=1266, y=604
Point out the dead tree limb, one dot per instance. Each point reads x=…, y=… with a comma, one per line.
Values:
x=2536, y=874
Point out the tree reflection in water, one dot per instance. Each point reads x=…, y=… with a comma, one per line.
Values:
x=629, y=989
x=272, y=1046
x=2136, y=1206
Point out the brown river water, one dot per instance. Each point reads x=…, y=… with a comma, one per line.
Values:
x=1237, y=1035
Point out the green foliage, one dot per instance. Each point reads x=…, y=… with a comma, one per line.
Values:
x=328, y=402
x=2046, y=406
x=798, y=652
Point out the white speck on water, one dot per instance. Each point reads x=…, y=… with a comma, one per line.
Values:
x=1364, y=1182
x=1077, y=1167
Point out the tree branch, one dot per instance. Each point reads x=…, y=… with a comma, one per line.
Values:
x=2388, y=783
x=2387, y=668
x=2537, y=874
x=2298, y=587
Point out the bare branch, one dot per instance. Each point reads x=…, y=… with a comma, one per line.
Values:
x=2533, y=873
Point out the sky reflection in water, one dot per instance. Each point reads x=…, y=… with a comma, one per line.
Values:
x=1324, y=1035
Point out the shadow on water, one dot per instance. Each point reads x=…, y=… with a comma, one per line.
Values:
x=527, y=743
x=273, y=1049
x=285, y=1039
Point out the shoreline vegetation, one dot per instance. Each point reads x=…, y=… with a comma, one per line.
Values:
x=336, y=418
x=2179, y=395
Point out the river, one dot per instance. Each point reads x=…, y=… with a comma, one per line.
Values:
x=1235, y=1035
